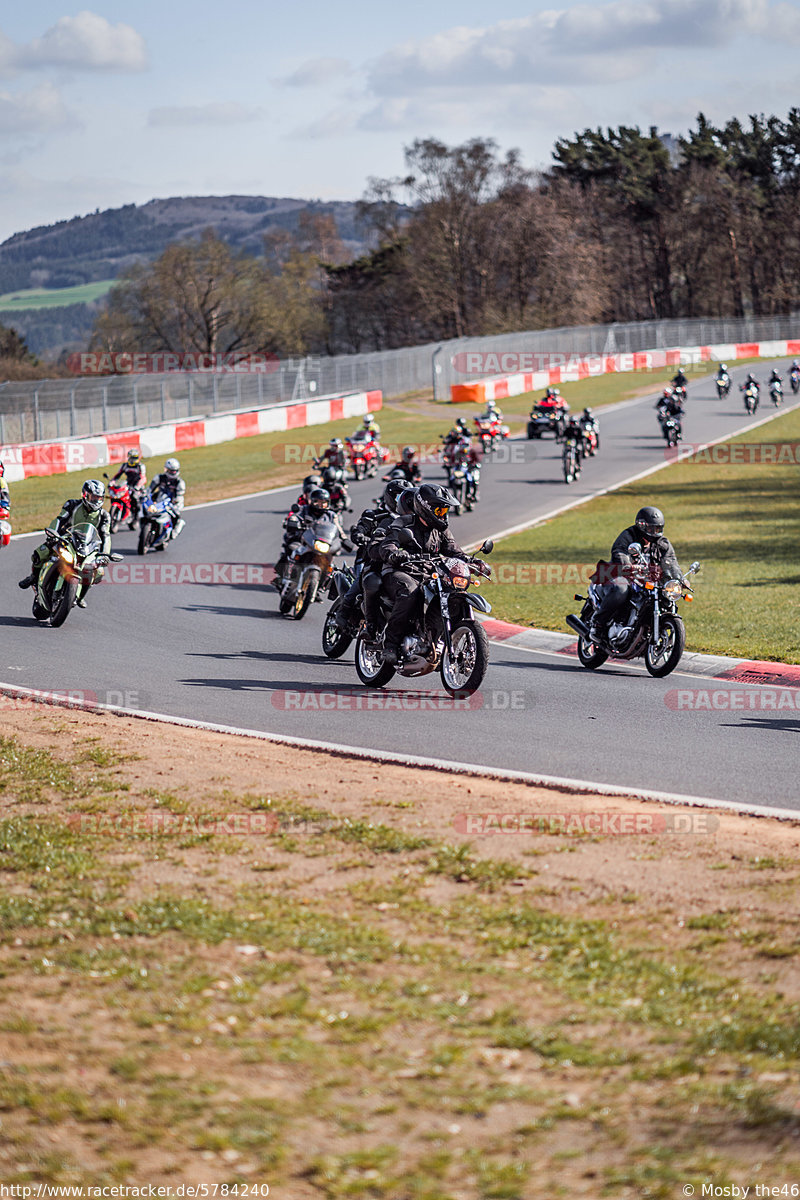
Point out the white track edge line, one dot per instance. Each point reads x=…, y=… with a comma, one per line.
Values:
x=412, y=760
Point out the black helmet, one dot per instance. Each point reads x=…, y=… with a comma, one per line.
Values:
x=408, y=453
x=405, y=502
x=92, y=494
x=650, y=523
x=318, y=502
x=587, y=412
x=431, y=502
x=461, y=423
x=312, y=481
x=392, y=493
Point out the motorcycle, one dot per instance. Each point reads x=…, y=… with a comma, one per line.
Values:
x=490, y=432
x=121, y=506
x=751, y=397
x=157, y=523
x=723, y=383
x=679, y=392
x=463, y=480
x=571, y=458
x=365, y=454
x=650, y=627
x=671, y=428
x=5, y=526
x=333, y=480
x=75, y=563
x=443, y=636
x=776, y=392
x=335, y=640
x=794, y=380
x=306, y=576
x=591, y=439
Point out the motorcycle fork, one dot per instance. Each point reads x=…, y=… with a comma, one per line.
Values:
x=656, y=620
x=444, y=606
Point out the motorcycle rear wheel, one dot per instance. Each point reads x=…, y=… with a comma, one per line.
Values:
x=63, y=602
x=663, y=657
x=334, y=640
x=370, y=667
x=463, y=672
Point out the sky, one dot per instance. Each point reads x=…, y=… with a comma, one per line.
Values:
x=122, y=103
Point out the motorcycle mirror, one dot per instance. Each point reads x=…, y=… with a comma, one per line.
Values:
x=105, y=476
x=635, y=550
x=695, y=567
x=487, y=547
x=116, y=557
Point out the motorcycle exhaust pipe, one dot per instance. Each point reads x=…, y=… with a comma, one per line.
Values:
x=577, y=624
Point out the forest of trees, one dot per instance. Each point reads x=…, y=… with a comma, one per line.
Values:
x=624, y=226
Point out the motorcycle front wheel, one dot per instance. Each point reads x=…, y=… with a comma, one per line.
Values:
x=463, y=670
x=145, y=538
x=306, y=593
x=370, y=667
x=334, y=640
x=63, y=601
x=663, y=656
x=116, y=512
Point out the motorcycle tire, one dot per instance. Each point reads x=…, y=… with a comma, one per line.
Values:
x=358, y=470
x=655, y=666
x=334, y=640
x=145, y=538
x=463, y=673
x=306, y=594
x=63, y=602
x=370, y=668
x=40, y=613
x=590, y=655
x=114, y=522
x=532, y=433
x=286, y=604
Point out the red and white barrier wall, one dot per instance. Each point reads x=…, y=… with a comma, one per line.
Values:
x=53, y=458
x=570, y=368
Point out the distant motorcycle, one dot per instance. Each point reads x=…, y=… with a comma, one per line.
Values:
x=121, y=506
x=776, y=392
x=794, y=381
x=671, y=429
x=333, y=480
x=650, y=627
x=571, y=458
x=490, y=432
x=365, y=454
x=75, y=563
x=723, y=383
x=5, y=527
x=157, y=523
x=751, y=396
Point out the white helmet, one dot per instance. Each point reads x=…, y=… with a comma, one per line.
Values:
x=172, y=468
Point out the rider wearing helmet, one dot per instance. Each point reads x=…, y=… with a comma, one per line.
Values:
x=309, y=483
x=425, y=531
x=368, y=530
x=722, y=371
x=647, y=532
x=370, y=424
x=333, y=455
x=88, y=510
x=170, y=484
x=5, y=497
x=298, y=518
x=409, y=466
x=135, y=474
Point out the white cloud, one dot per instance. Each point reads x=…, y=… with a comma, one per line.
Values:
x=605, y=43
x=334, y=123
x=40, y=110
x=316, y=72
x=219, y=113
x=84, y=42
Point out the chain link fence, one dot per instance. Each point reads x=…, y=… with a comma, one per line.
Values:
x=58, y=408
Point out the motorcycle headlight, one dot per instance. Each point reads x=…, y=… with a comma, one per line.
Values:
x=66, y=554
x=322, y=547
x=672, y=587
x=460, y=583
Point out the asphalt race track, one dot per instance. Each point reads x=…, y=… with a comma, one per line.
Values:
x=220, y=652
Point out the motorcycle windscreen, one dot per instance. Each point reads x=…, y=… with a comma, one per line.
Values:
x=86, y=540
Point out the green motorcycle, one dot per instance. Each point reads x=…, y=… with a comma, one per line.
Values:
x=75, y=563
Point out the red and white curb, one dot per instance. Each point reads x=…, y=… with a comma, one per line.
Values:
x=713, y=666
x=23, y=460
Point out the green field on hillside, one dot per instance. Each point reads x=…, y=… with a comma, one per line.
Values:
x=85, y=293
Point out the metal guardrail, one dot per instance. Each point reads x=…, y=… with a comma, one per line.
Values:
x=56, y=408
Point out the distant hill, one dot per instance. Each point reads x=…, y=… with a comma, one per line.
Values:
x=100, y=246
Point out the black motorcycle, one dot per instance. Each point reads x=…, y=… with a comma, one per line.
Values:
x=335, y=640
x=305, y=577
x=751, y=396
x=571, y=457
x=443, y=635
x=334, y=480
x=723, y=383
x=794, y=381
x=671, y=428
x=649, y=627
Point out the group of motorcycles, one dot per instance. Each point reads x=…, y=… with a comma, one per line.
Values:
x=580, y=436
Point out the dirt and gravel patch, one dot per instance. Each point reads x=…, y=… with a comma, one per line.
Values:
x=225, y=960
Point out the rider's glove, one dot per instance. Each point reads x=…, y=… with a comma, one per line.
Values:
x=400, y=558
